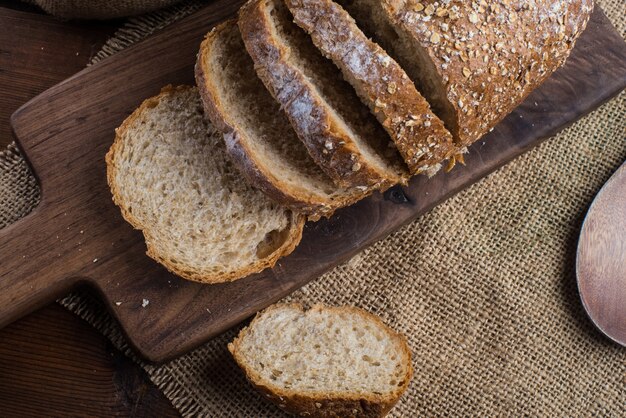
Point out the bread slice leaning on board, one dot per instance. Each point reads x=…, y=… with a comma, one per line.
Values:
x=259, y=139
x=170, y=176
x=474, y=61
x=339, y=131
x=380, y=82
x=325, y=361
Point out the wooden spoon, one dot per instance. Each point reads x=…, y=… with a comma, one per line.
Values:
x=601, y=259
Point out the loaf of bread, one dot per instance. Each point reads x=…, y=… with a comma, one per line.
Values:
x=380, y=82
x=315, y=116
x=474, y=61
x=324, y=362
x=170, y=175
x=339, y=131
x=259, y=138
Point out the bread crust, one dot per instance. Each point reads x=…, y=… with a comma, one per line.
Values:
x=381, y=83
x=292, y=238
x=489, y=57
x=327, y=142
x=314, y=206
x=325, y=404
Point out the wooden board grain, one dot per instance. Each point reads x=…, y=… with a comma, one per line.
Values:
x=77, y=235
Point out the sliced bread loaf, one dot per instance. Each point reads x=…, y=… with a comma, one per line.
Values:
x=339, y=132
x=170, y=175
x=324, y=362
x=258, y=136
x=474, y=62
x=380, y=82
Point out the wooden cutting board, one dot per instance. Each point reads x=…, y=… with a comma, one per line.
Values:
x=69, y=368
x=77, y=236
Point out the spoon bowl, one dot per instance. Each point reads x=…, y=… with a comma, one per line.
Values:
x=601, y=259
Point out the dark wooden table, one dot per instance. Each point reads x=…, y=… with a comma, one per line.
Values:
x=52, y=363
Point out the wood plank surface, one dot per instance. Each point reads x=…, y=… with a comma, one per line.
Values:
x=36, y=52
x=51, y=362
x=66, y=132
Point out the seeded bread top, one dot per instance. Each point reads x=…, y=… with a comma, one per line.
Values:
x=490, y=55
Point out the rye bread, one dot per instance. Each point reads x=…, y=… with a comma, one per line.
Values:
x=380, y=82
x=340, y=133
x=258, y=136
x=474, y=61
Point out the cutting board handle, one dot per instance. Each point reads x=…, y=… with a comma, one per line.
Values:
x=31, y=271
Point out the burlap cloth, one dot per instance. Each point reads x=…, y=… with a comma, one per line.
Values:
x=483, y=286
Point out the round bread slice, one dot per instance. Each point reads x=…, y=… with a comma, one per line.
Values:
x=170, y=175
x=324, y=362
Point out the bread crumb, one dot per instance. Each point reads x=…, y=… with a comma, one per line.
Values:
x=95, y=260
x=118, y=303
x=145, y=303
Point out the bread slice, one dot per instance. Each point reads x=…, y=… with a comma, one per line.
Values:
x=258, y=136
x=380, y=82
x=324, y=362
x=170, y=175
x=340, y=133
x=474, y=63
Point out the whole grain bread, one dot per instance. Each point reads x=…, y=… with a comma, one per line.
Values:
x=258, y=136
x=170, y=175
x=380, y=82
x=340, y=133
x=474, y=61
x=325, y=361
